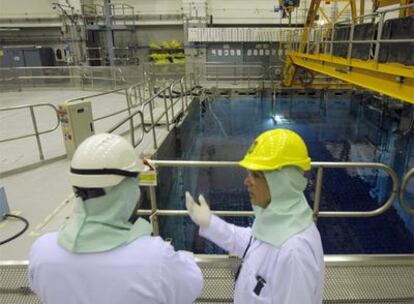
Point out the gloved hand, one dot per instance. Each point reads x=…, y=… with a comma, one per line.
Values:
x=200, y=214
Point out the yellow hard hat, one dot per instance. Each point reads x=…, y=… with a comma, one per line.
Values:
x=275, y=149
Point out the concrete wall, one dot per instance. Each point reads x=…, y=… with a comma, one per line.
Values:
x=22, y=8
x=154, y=6
x=223, y=12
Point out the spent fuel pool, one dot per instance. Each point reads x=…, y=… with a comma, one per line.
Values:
x=334, y=130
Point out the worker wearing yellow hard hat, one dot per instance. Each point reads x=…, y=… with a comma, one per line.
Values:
x=282, y=253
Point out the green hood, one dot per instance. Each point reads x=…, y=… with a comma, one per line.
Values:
x=101, y=224
x=288, y=212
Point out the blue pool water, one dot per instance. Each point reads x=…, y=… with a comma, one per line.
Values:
x=337, y=129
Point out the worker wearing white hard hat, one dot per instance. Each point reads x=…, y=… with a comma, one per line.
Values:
x=282, y=255
x=98, y=256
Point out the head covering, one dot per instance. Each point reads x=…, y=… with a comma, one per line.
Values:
x=101, y=224
x=103, y=160
x=288, y=211
x=276, y=149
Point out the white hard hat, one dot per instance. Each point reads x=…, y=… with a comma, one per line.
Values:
x=103, y=160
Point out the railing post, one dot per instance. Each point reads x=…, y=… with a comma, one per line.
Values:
x=379, y=34
x=166, y=111
x=82, y=77
x=154, y=216
x=140, y=94
x=39, y=144
x=318, y=45
x=351, y=40
x=404, y=185
x=154, y=137
x=186, y=91
x=318, y=190
x=135, y=95
x=172, y=104
x=131, y=121
x=182, y=94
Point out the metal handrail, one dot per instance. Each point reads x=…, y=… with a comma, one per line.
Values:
x=131, y=121
x=149, y=102
x=38, y=133
x=132, y=93
x=70, y=73
x=95, y=95
x=155, y=212
x=34, y=122
x=124, y=90
x=294, y=36
x=140, y=112
x=404, y=185
x=388, y=203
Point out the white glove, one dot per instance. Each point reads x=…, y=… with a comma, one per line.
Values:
x=199, y=213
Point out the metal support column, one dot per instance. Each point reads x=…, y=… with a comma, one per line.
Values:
x=108, y=29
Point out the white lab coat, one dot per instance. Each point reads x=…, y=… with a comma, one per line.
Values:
x=293, y=272
x=148, y=270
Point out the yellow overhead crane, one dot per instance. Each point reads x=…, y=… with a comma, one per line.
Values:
x=392, y=79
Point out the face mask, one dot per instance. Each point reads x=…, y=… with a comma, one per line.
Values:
x=134, y=216
x=101, y=223
x=288, y=212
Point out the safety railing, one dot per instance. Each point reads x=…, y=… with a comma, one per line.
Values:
x=123, y=13
x=134, y=95
x=139, y=94
x=154, y=212
x=125, y=90
x=404, y=184
x=164, y=72
x=274, y=76
x=56, y=113
x=167, y=95
x=36, y=133
x=81, y=77
x=139, y=103
x=119, y=12
x=249, y=75
x=322, y=39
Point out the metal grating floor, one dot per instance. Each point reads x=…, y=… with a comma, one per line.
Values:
x=348, y=279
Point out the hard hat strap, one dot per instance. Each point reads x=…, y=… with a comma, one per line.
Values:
x=88, y=193
x=103, y=172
